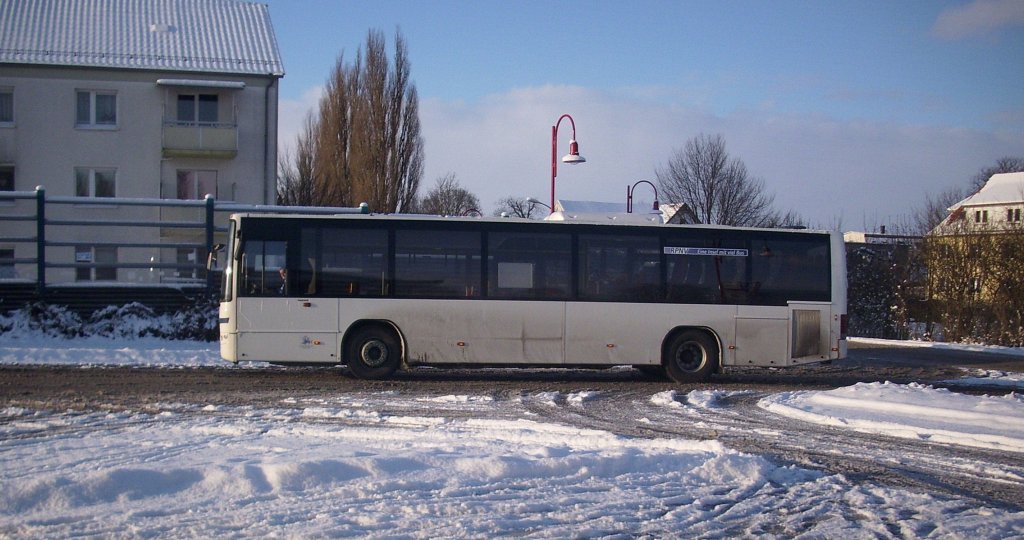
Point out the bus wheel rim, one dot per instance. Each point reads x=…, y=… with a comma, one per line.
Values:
x=374, y=353
x=690, y=357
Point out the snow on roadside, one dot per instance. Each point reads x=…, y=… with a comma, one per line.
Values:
x=302, y=470
x=99, y=351
x=911, y=411
x=990, y=378
x=916, y=344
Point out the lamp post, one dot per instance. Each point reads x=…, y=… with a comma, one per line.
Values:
x=532, y=200
x=629, y=196
x=572, y=158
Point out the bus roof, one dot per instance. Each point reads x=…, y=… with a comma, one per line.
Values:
x=581, y=221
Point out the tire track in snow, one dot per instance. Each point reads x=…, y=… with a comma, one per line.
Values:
x=736, y=420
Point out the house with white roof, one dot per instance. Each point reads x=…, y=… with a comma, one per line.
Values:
x=997, y=206
x=168, y=99
x=974, y=278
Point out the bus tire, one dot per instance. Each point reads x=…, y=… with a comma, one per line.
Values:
x=691, y=356
x=373, y=352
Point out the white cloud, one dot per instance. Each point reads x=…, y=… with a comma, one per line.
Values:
x=979, y=17
x=292, y=115
x=864, y=173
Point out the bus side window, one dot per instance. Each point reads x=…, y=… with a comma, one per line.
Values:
x=529, y=265
x=307, y=281
x=311, y=285
x=624, y=268
x=354, y=262
x=264, y=271
x=692, y=280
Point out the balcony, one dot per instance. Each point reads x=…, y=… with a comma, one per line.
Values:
x=200, y=140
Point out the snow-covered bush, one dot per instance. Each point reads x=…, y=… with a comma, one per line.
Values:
x=133, y=320
x=127, y=321
x=42, y=318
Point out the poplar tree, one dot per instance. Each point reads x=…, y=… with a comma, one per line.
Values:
x=363, y=143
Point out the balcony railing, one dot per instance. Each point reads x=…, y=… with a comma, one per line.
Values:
x=200, y=140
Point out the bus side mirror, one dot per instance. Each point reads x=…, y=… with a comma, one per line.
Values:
x=211, y=259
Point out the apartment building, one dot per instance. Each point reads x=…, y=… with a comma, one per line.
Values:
x=132, y=99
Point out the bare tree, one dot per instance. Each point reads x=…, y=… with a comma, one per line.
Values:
x=717, y=187
x=935, y=210
x=1003, y=165
x=296, y=185
x=448, y=198
x=364, y=143
x=518, y=207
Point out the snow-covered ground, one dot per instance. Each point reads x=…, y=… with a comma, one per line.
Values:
x=338, y=466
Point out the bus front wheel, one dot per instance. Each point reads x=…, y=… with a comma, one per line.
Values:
x=690, y=357
x=373, y=353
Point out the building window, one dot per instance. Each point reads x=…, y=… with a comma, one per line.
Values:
x=7, y=263
x=96, y=108
x=1013, y=215
x=6, y=178
x=981, y=216
x=197, y=108
x=6, y=107
x=197, y=184
x=105, y=259
x=95, y=182
x=186, y=257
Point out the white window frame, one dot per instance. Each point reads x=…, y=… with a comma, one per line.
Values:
x=91, y=254
x=91, y=122
x=91, y=181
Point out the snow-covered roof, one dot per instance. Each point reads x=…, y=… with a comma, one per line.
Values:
x=1004, y=188
x=589, y=207
x=602, y=212
x=213, y=36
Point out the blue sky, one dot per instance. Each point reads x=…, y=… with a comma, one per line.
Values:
x=850, y=111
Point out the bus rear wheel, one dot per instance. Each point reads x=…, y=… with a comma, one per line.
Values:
x=373, y=353
x=690, y=357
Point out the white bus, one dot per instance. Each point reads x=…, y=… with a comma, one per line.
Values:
x=380, y=293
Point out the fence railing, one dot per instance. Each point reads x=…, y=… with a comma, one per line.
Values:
x=210, y=218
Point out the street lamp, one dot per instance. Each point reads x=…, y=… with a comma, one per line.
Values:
x=532, y=200
x=629, y=196
x=572, y=158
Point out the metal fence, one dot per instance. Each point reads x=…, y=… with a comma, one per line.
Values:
x=210, y=219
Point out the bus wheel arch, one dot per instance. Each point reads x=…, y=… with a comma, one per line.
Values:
x=373, y=349
x=691, y=354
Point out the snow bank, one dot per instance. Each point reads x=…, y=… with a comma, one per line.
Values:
x=911, y=411
x=130, y=321
x=305, y=470
x=915, y=344
x=99, y=351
